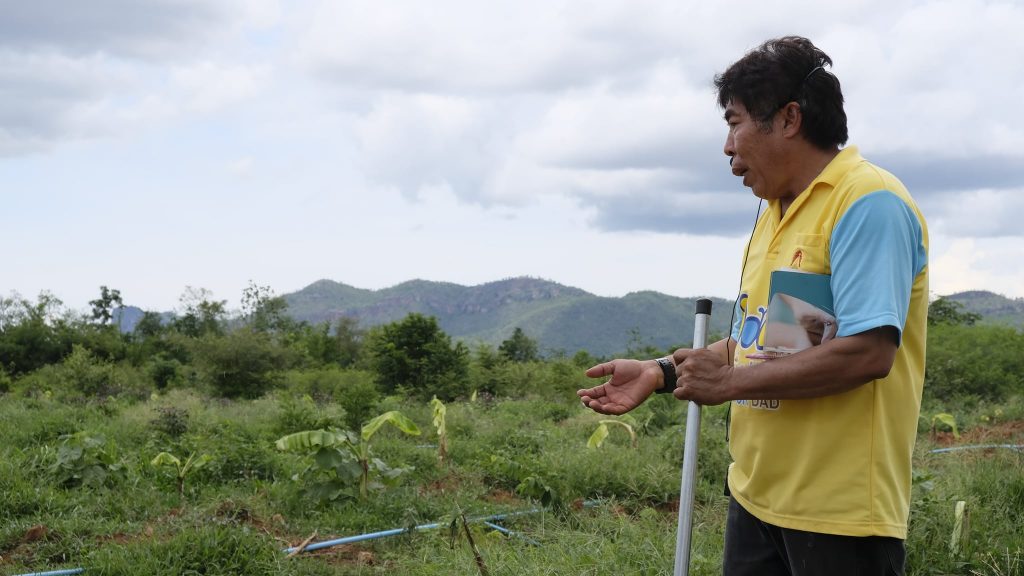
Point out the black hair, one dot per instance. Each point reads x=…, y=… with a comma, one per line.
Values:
x=784, y=70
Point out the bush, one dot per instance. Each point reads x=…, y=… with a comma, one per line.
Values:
x=163, y=370
x=354, y=390
x=242, y=364
x=982, y=361
x=84, y=460
x=415, y=355
x=85, y=373
x=170, y=421
x=299, y=413
x=83, y=376
x=237, y=454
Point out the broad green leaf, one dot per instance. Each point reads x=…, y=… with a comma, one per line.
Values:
x=93, y=476
x=307, y=440
x=948, y=420
x=597, y=438
x=328, y=491
x=350, y=471
x=201, y=461
x=165, y=459
x=68, y=454
x=401, y=421
x=440, y=412
x=329, y=458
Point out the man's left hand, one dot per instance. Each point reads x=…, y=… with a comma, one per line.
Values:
x=703, y=376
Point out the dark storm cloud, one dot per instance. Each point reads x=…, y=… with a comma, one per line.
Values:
x=978, y=196
x=926, y=174
x=711, y=214
x=66, y=67
x=148, y=29
x=694, y=191
x=698, y=164
x=40, y=98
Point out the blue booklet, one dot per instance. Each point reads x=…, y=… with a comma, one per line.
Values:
x=801, y=313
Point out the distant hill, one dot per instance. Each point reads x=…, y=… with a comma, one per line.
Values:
x=994, y=308
x=559, y=318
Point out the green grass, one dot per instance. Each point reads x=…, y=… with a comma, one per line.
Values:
x=240, y=511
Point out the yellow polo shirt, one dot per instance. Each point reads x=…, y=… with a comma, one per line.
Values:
x=837, y=464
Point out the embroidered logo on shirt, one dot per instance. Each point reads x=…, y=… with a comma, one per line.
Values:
x=798, y=259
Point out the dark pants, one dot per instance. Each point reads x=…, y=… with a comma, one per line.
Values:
x=754, y=548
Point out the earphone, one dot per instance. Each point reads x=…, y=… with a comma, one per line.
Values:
x=735, y=305
x=743, y=270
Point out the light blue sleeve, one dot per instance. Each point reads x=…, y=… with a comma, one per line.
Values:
x=877, y=249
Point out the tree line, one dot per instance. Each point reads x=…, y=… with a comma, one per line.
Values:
x=243, y=354
x=44, y=346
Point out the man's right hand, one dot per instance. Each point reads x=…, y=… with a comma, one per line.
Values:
x=631, y=382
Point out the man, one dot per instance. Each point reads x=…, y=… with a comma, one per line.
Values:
x=821, y=440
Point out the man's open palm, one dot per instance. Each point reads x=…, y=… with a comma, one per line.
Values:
x=631, y=382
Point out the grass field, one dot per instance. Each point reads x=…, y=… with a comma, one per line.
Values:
x=77, y=489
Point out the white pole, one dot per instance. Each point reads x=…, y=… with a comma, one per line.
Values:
x=685, y=525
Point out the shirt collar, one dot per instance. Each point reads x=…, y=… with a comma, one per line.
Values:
x=846, y=159
x=834, y=172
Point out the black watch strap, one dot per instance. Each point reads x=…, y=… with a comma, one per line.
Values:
x=668, y=371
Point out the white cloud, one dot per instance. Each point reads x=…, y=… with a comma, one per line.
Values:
x=539, y=138
x=241, y=167
x=936, y=79
x=417, y=140
x=208, y=86
x=468, y=46
x=959, y=264
x=980, y=213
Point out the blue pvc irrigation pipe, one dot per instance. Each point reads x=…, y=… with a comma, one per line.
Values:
x=68, y=572
x=362, y=537
x=397, y=531
x=508, y=532
x=1019, y=447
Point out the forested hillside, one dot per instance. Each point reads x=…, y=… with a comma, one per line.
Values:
x=560, y=318
x=993, y=308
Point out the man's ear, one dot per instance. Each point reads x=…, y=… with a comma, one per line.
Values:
x=792, y=117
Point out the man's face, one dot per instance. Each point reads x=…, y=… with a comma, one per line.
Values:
x=754, y=153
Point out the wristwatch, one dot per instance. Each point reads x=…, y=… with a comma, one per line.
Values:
x=668, y=370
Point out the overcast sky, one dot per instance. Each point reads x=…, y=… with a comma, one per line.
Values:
x=153, y=145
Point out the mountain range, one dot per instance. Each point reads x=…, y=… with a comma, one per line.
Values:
x=562, y=319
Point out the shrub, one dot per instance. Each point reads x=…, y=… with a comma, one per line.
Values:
x=84, y=460
x=354, y=390
x=164, y=370
x=170, y=421
x=85, y=373
x=242, y=364
x=301, y=413
x=236, y=454
x=415, y=355
x=982, y=361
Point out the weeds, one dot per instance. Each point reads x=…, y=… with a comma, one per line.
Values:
x=105, y=507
